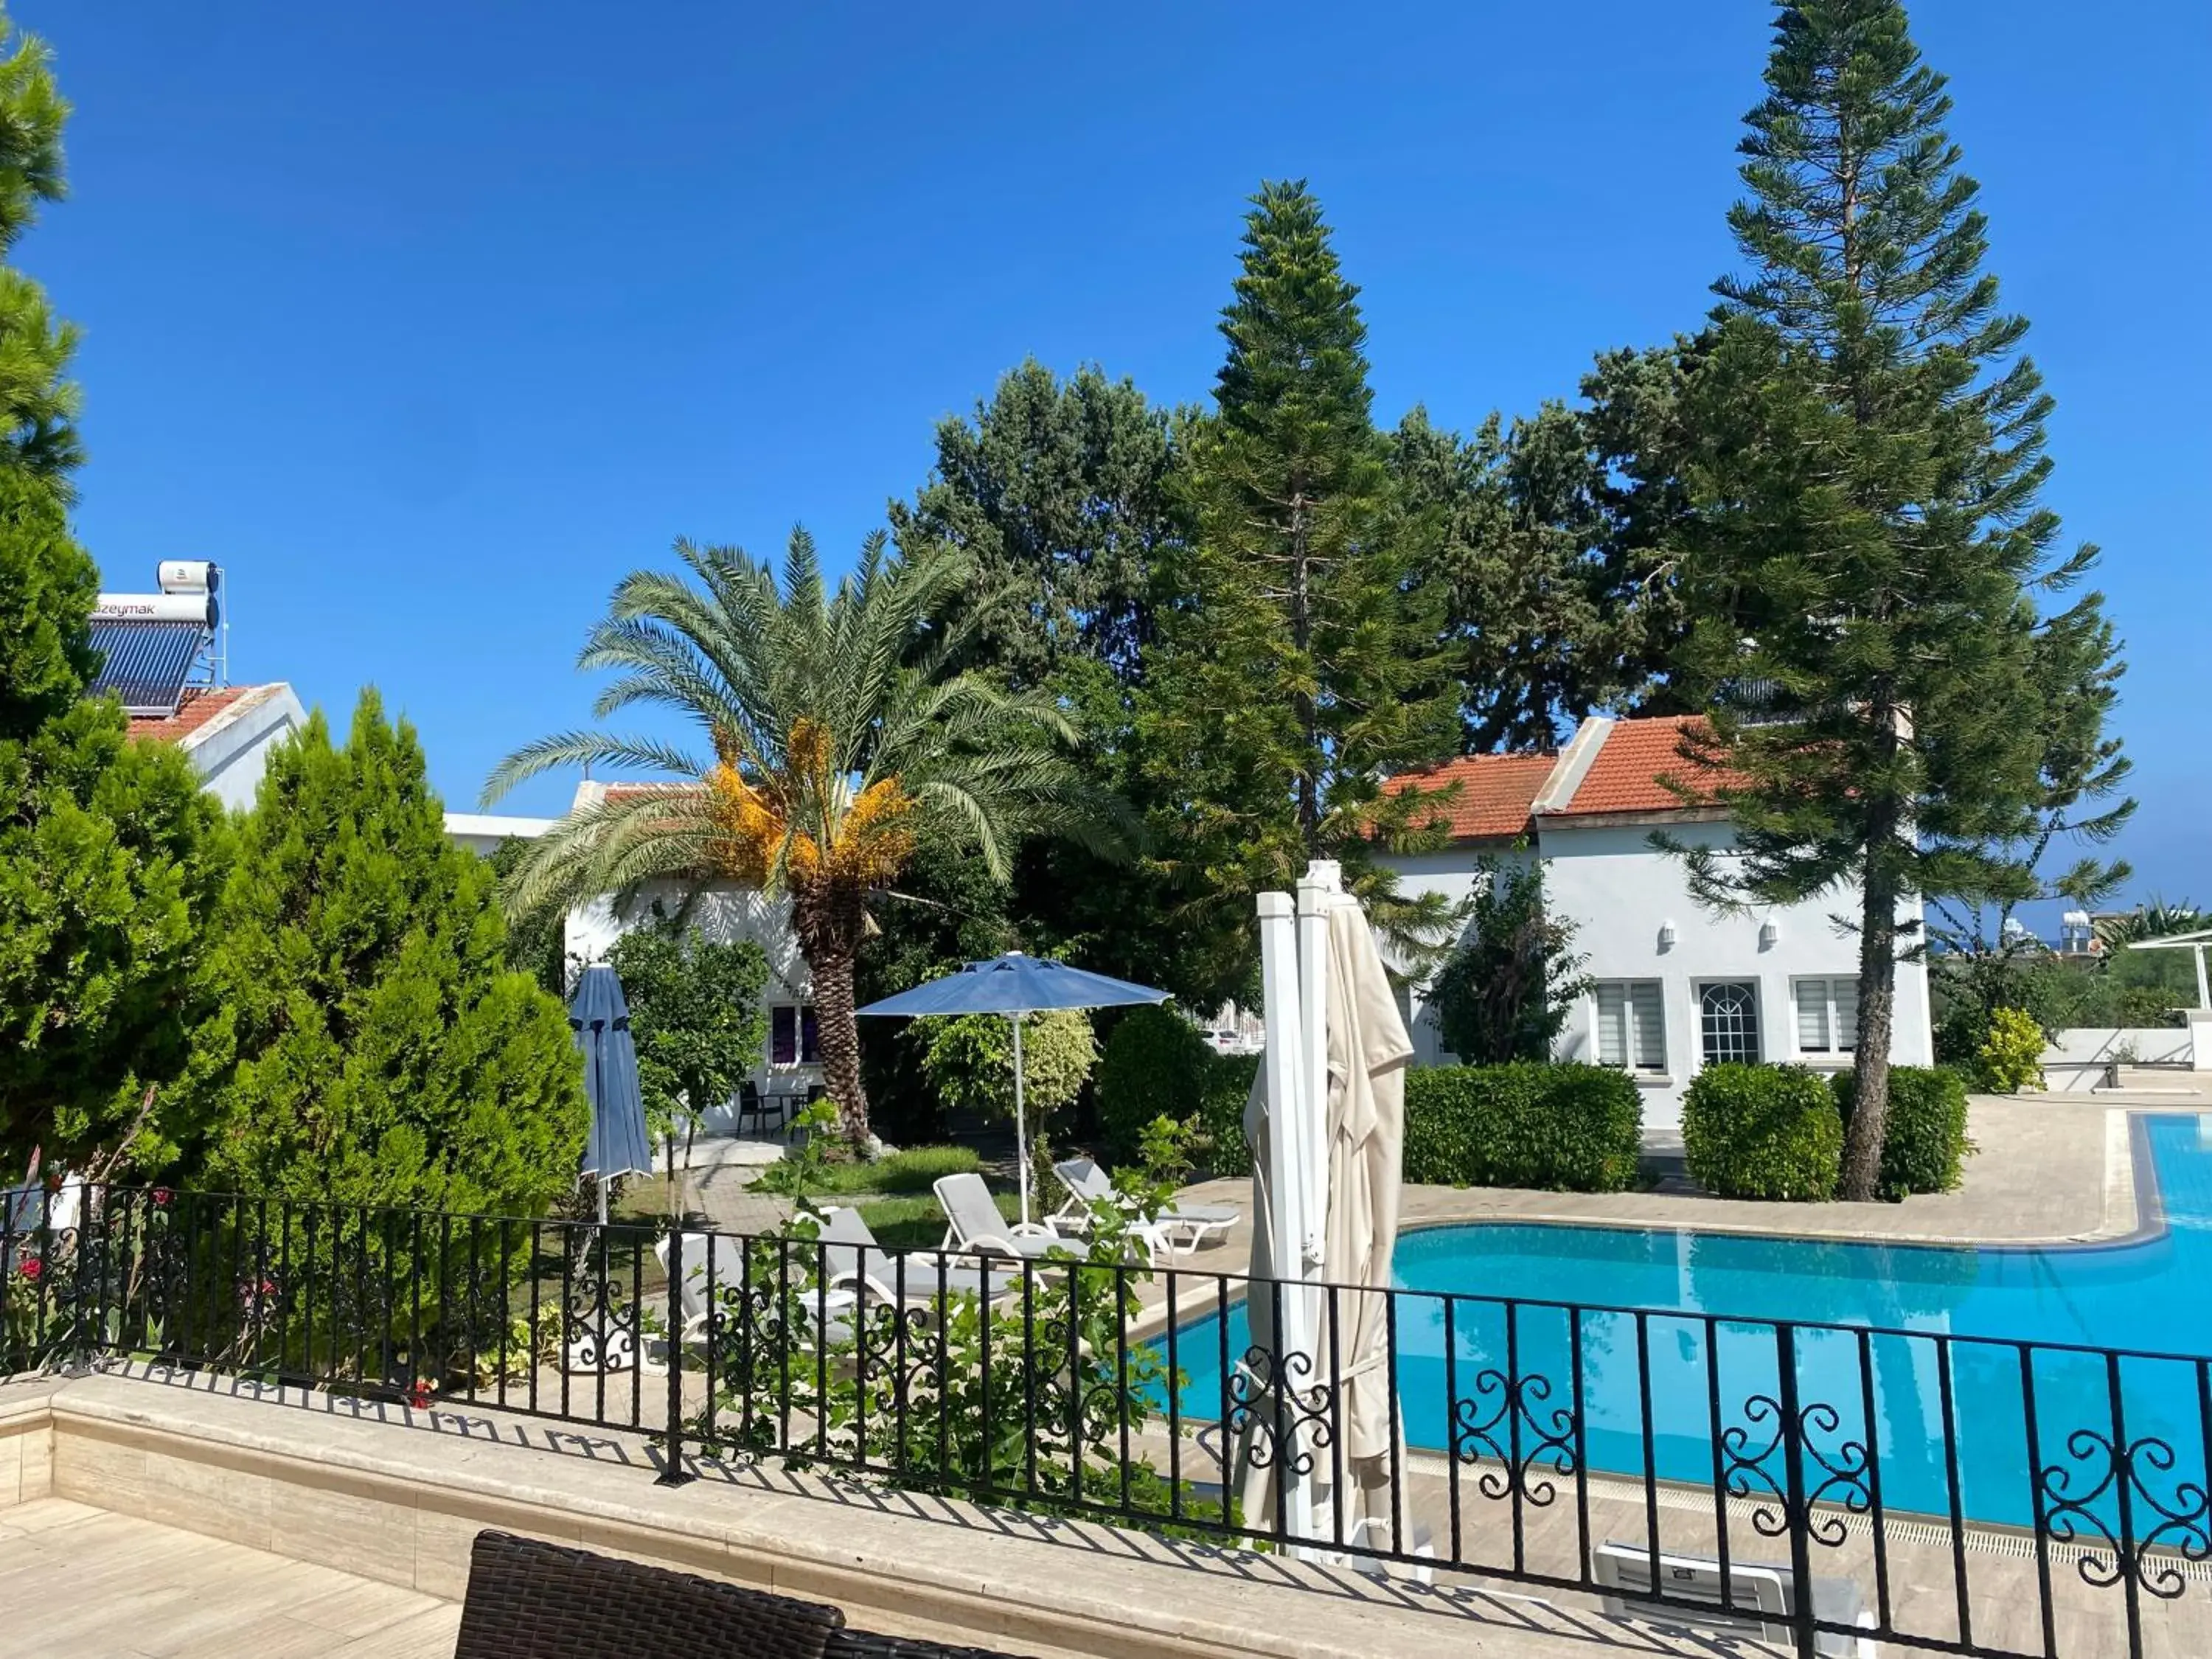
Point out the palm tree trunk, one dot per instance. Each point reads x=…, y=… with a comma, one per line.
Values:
x=830, y=926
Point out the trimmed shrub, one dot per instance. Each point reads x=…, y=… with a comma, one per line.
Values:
x=1763, y=1132
x=1557, y=1126
x=1156, y=1064
x=2010, y=1058
x=1924, y=1136
x=1221, y=1148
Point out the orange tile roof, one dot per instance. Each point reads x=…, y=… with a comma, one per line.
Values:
x=194, y=710
x=1625, y=776
x=1494, y=792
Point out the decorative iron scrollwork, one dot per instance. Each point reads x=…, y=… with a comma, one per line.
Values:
x=2181, y=1535
x=1546, y=1437
x=1304, y=1426
x=1744, y=1472
x=1836, y=1474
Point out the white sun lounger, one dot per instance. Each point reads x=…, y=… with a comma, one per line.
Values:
x=853, y=1267
x=855, y=1262
x=1184, y=1226
x=1762, y=1597
x=975, y=1227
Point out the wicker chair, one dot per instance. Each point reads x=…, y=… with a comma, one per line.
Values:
x=529, y=1599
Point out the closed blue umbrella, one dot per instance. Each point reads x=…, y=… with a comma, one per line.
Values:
x=600, y=1018
x=1015, y=985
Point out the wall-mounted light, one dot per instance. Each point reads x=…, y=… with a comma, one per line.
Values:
x=1770, y=935
x=1666, y=935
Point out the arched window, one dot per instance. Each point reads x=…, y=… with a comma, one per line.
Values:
x=1727, y=1023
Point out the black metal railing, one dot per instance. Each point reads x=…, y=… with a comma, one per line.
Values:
x=1818, y=1484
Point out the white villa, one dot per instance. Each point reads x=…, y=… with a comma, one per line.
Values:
x=792, y=1064
x=1676, y=987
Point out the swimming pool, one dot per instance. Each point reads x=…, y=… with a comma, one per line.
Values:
x=1925, y=1342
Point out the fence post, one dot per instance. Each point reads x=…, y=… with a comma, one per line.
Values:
x=88, y=1206
x=672, y=1471
x=1801, y=1611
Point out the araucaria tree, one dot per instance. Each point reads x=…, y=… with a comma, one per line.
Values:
x=1298, y=662
x=1865, y=547
x=110, y=855
x=840, y=735
x=373, y=1046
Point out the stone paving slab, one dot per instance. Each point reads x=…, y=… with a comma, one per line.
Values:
x=77, y=1579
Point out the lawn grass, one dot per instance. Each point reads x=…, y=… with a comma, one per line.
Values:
x=913, y=1171
x=901, y=1223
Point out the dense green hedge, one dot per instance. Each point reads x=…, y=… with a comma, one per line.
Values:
x=1157, y=1064
x=1222, y=1148
x=1763, y=1132
x=1532, y=1123
x=1923, y=1137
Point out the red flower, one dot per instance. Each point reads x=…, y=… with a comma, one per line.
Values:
x=30, y=1268
x=419, y=1395
x=162, y=1195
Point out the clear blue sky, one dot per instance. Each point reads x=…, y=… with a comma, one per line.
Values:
x=429, y=321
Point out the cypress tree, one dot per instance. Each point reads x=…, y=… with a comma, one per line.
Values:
x=110, y=855
x=1865, y=542
x=374, y=1047
x=1298, y=662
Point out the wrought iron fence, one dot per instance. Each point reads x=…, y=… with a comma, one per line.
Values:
x=1822, y=1485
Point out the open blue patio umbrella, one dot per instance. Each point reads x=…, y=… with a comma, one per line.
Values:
x=600, y=1018
x=1015, y=985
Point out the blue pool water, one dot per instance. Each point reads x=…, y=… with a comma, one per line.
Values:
x=2154, y=1294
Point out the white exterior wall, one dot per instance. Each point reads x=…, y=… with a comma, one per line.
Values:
x=726, y=915
x=1618, y=891
x=485, y=833
x=231, y=752
x=1452, y=874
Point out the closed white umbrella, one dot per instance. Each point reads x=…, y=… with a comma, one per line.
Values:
x=1326, y=1156
x=1368, y=1051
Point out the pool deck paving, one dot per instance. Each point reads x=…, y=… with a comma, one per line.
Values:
x=76, y=1579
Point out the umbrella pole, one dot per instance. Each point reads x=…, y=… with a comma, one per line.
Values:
x=1021, y=1130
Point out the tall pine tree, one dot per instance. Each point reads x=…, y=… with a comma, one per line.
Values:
x=1865, y=544
x=1298, y=662
x=110, y=855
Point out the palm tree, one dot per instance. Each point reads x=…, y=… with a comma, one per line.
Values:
x=840, y=734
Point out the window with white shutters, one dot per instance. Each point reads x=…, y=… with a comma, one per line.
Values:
x=1631, y=1029
x=1827, y=1016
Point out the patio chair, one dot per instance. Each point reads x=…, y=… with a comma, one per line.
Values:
x=1191, y=1224
x=528, y=1600
x=700, y=1250
x=975, y=1227
x=27, y=1209
x=1763, y=1596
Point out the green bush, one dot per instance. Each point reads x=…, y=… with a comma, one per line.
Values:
x=1923, y=1135
x=1763, y=1132
x=2010, y=1058
x=968, y=1059
x=1156, y=1064
x=1221, y=1148
x=1557, y=1126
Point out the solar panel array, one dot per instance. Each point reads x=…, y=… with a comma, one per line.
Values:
x=148, y=662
